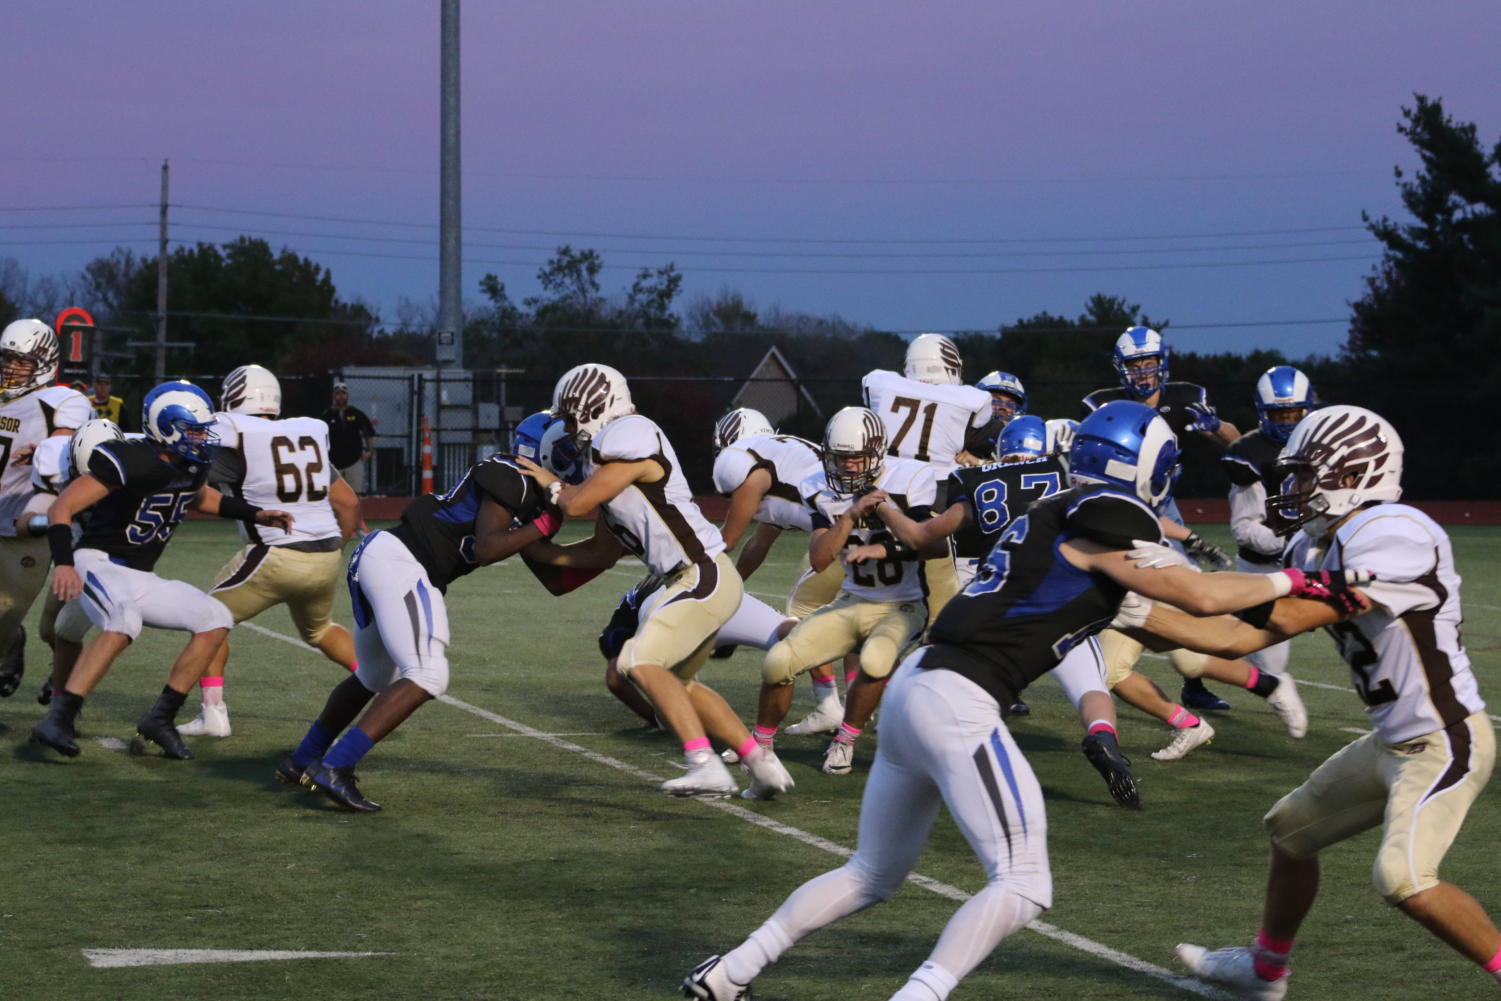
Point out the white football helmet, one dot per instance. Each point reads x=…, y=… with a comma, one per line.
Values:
x=737, y=424
x=588, y=397
x=1337, y=460
x=933, y=358
x=251, y=389
x=27, y=341
x=854, y=450
x=90, y=436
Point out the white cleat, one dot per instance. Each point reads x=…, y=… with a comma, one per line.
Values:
x=839, y=758
x=212, y=721
x=1185, y=740
x=708, y=982
x=825, y=718
x=1233, y=967
x=729, y=757
x=768, y=777
x=1288, y=704
x=707, y=776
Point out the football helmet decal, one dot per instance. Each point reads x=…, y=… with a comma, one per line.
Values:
x=543, y=439
x=999, y=384
x=251, y=389
x=88, y=437
x=23, y=342
x=180, y=417
x=1284, y=396
x=854, y=450
x=588, y=397
x=1025, y=437
x=1337, y=460
x=737, y=424
x=934, y=359
x=1135, y=353
x=1129, y=446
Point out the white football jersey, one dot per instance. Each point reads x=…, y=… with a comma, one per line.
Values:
x=923, y=422
x=789, y=460
x=285, y=467
x=27, y=421
x=657, y=522
x=1405, y=654
x=913, y=487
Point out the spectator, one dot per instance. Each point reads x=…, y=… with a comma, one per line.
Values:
x=106, y=406
x=349, y=436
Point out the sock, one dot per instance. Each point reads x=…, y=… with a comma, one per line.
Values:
x=1100, y=726
x=825, y=689
x=212, y=690
x=1182, y=719
x=764, y=736
x=1269, y=956
x=168, y=703
x=930, y=982
x=1261, y=682
x=696, y=744
x=1494, y=966
x=314, y=745
x=65, y=705
x=849, y=678
x=765, y=946
x=752, y=746
x=847, y=734
x=355, y=666
x=349, y=749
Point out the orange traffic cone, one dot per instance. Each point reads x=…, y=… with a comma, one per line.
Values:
x=427, y=458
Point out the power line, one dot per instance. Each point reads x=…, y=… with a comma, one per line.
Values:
x=77, y=208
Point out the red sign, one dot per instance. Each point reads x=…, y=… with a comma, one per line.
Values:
x=74, y=323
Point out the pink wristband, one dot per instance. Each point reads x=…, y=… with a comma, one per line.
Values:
x=547, y=523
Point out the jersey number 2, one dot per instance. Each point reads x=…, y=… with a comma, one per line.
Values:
x=292, y=478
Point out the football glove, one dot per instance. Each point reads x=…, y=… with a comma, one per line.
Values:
x=1133, y=612
x=1333, y=587
x=1205, y=419
x=1156, y=555
x=1206, y=552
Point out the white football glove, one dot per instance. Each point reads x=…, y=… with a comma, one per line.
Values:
x=1133, y=612
x=1157, y=555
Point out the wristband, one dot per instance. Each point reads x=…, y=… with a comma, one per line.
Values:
x=237, y=510
x=1283, y=582
x=548, y=524
x=60, y=541
x=554, y=492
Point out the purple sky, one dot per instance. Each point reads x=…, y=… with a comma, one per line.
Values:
x=916, y=167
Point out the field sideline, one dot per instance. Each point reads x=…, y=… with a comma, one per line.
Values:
x=524, y=854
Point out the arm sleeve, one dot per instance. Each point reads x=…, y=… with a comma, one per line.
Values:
x=506, y=485
x=1248, y=520
x=1240, y=471
x=107, y=467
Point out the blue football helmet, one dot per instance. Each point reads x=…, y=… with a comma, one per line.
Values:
x=1126, y=445
x=1010, y=385
x=1025, y=437
x=543, y=439
x=1284, y=396
x=180, y=417
x=1133, y=352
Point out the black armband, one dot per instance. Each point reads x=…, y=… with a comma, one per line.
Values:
x=60, y=541
x=1257, y=615
x=900, y=551
x=236, y=509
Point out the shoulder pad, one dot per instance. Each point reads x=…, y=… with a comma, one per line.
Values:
x=1111, y=518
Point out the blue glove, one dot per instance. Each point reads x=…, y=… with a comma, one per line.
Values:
x=1205, y=419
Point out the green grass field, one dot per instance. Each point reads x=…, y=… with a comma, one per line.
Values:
x=510, y=864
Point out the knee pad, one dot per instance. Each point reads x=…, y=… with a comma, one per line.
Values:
x=878, y=657
x=1189, y=663
x=72, y=623
x=779, y=667
x=313, y=635
x=1120, y=652
x=875, y=887
x=1395, y=880
x=431, y=675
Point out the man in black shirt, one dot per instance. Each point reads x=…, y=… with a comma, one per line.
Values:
x=349, y=436
x=1056, y=577
x=133, y=495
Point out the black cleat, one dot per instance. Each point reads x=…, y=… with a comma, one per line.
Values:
x=1019, y=708
x=44, y=697
x=290, y=772
x=339, y=785
x=57, y=734
x=1196, y=696
x=14, y=665
x=1103, y=752
x=163, y=733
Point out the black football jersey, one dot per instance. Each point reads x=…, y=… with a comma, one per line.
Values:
x=439, y=528
x=1172, y=403
x=1252, y=459
x=997, y=494
x=1028, y=606
x=147, y=498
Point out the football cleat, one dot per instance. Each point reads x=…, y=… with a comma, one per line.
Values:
x=839, y=758
x=164, y=734
x=1114, y=768
x=1019, y=708
x=57, y=734
x=1233, y=967
x=729, y=756
x=339, y=785
x=768, y=776
x=706, y=776
x=709, y=982
x=825, y=718
x=211, y=721
x=1288, y=704
x=1198, y=697
x=14, y=665
x=289, y=771
x=1185, y=740
x=44, y=697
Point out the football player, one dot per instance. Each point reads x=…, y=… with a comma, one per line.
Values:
x=760, y=471
x=397, y=580
x=264, y=460
x=135, y=494
x=31, y=410
x=1431, y=748
x=1141, y=362
x=1008, y=400
x=645, y=508
x=931, y=417
x=1057, y=576
x=881, y=607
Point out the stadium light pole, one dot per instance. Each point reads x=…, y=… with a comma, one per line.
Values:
x=450, y=234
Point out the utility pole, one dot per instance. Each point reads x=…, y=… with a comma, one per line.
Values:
x=450, y=256
x=161, y=285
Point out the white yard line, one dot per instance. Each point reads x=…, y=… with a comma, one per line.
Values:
x=1089, y=946
x=108, y=959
